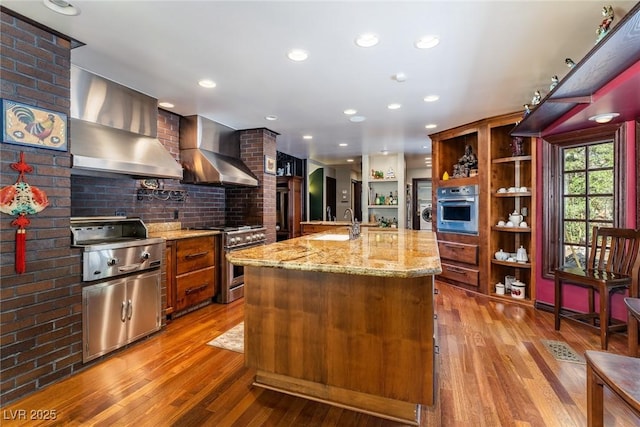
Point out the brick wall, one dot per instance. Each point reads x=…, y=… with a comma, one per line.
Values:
x=40, y=322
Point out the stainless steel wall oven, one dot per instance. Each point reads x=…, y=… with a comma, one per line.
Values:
x=458, y=209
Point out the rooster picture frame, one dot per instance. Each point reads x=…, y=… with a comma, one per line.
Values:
x=33, y=126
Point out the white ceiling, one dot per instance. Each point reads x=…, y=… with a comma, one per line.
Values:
x=492, y=56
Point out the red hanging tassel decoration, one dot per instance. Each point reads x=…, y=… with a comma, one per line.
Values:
x=22, y=199
x=21, y=243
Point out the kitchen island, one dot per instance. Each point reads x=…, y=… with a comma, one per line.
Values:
x=346, y=322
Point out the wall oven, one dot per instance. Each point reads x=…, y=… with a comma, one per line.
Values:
x=458, y=209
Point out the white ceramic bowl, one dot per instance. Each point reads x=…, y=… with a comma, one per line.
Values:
x=501, y=223
x=509, y=224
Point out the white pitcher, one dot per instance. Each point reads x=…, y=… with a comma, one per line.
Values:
x=521, y=255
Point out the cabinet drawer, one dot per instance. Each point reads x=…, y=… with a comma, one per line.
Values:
x=464, y=275
x=193, y=288
x=194, y=254
x=460, y=252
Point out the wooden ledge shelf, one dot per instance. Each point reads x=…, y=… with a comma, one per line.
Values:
x=512, y=264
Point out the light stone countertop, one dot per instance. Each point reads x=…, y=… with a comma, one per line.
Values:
x=174, y=231
x=338, y=223
x=377, y=252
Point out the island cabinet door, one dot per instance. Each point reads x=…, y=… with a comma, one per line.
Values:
x=339, y=334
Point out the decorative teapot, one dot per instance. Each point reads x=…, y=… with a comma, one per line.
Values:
x=521, y=255
x=501, y=255
x=515, y=218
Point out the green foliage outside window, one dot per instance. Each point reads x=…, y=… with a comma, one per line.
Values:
x=588, y=197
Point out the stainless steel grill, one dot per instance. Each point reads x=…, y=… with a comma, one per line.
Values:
x=121, y=301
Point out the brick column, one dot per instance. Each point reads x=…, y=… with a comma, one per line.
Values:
x=255, y=205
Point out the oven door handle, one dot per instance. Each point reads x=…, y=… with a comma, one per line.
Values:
x=470, y=199
x=127, y=268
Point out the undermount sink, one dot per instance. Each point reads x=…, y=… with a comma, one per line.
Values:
x=332, y=237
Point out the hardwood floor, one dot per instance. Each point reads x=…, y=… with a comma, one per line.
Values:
x=493, y=371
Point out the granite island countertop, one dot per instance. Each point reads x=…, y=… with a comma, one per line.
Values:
x=377, y=252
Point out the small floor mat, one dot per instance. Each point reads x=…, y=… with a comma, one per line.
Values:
x=232, y=340
x=562, y=351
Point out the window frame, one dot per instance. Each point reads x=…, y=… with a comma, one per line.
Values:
x=552, y=153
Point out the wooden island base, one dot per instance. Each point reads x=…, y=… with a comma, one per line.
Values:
x=355, y=341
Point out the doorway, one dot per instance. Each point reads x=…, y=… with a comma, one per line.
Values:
x=422, y=202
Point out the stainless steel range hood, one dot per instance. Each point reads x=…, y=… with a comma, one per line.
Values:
x=113, y=131
x=210, y=154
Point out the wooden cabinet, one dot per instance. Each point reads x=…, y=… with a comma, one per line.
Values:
x=468, y=261
x=512, y=189
x=191, y=272
x=288, y=206
x=460, y=262
x=170, y=262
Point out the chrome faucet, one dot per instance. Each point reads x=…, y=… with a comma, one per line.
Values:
x=329, y=218
x=354, y=228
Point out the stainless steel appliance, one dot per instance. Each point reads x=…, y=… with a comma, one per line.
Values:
x=232, y=276
x=121, y=268
x=458, y=209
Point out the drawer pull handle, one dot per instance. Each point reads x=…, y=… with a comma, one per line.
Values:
x=196, y=255
x=456, y=270
x=200, y=288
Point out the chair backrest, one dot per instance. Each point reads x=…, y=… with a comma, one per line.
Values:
x=614, y=250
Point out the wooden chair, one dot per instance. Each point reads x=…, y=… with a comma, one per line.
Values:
x=613, y=261
x=621, y=374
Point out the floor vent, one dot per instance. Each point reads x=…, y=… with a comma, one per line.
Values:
x=562, y=351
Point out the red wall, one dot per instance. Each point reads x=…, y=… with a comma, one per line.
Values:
x=576, y=298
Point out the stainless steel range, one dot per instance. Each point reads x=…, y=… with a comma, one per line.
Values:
x=121, y=299
x=232, y=276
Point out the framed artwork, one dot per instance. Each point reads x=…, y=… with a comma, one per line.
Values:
x=33, y=126
x=269, y=165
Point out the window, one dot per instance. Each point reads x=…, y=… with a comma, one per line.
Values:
x=583, y=182
x=587, y=198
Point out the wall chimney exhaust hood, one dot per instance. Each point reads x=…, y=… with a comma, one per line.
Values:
x=210, y=154
x=113, y=131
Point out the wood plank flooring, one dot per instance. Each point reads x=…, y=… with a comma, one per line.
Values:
x=493, y=371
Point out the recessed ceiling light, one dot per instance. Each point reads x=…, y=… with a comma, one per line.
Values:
x=431, y=98
x=350, y=111
x=307, y=137
x=209, y=84
x=350, y=160
x=165, y=104
x=367, y=40
x=431, y=126
x=62, y=7
x=384, y=151
x=343, y=144
x=394, y=106
x=357, y=119
x=297, y=55
x=271, y=117
x=604, y=118
x=427, y=42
